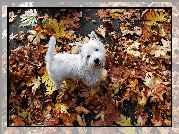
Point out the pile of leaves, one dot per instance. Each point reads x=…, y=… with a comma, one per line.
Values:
x=136, y=90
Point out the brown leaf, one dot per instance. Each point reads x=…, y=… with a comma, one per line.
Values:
x=68, y=119
x=81, y=109
x=81, y=120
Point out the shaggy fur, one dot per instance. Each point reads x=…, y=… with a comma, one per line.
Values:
x=87, y=66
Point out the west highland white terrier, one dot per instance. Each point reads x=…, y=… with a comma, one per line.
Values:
x=87, y=66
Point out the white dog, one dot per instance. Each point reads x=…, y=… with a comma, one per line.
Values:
x=87, y=66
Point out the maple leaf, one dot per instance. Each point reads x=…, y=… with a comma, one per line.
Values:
x=29, y=18
x=153, y=17
x=59, y=28
x=46, y=79
x=35, y=37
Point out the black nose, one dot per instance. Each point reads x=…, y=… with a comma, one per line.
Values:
x=97, y=62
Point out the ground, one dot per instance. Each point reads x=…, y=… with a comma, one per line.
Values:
x=136, y=90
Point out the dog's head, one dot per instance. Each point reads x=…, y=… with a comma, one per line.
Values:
x=93, y=52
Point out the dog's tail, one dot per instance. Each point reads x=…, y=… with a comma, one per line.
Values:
x=50, y=53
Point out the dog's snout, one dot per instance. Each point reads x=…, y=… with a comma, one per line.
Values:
x=97, y=61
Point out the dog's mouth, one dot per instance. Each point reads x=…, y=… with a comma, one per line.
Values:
x=97, y=62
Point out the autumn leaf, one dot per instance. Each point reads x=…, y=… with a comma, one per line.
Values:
x=42, y=69
x=162, y=50
x=81, y=109
x=151, y=81
x=18, y=121
x=62, y=107
x=81, y=120
x=153, y=17
x=142, y=100
x=69, y=84
x=35, y=82
x=46, y=79
x=115, y=13
x=124, y=121
x=23, y=114
x=12, y=17
x=29, y=18
x=101, y=30
x=35, y=37
x=130, y=49
x=58, y=28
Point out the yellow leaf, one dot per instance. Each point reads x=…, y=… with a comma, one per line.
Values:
x=49, y=90
x=46, y=79
x=57, y=106
x=62, y=29
x=23, y=113
x=127, y=122
x=123, y=121
x=62, y=107
x=142, y=100
x=115, y=87
x=58, y=28
x=153, y=17
x=114, y=13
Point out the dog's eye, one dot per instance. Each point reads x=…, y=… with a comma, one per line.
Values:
x=96, y=49
x=88, y=56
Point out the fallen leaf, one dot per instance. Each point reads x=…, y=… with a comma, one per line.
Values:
x=12, y=16
x=29, y=18
x=81, y=109
x=81, y=121
x=101, y=30
x=48, y=83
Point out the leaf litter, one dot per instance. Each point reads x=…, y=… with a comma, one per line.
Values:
x=138, y=70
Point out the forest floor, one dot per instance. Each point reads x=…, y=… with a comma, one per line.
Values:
x=136, y=90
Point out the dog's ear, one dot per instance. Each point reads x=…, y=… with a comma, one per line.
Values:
x=94, y=36
x=79, y=46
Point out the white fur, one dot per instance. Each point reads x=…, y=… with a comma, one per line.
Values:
x=77, y=66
